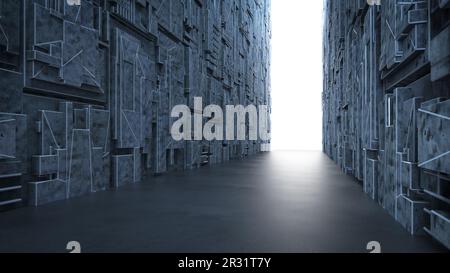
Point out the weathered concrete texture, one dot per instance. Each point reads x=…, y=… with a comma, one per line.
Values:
x=86, y=91
x=387, y=108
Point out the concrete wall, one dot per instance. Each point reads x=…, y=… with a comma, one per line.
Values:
x=86, y=90
x=386, y=105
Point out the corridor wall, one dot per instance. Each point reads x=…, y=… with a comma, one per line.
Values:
x=87, y=88
x=386, y=105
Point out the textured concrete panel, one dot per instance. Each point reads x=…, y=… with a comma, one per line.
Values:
x=411, y=214
x=45, y=164
x=45, y=192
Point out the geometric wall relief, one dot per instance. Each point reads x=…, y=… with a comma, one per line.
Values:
x=86, y=90
x=13, y=126
x=74, y=154
x=63, y=52
x=10, y=38
x=386, y=106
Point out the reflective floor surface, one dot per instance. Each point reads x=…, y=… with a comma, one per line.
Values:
x=275, y=202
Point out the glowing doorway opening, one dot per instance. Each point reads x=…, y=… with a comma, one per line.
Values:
x=297, y=75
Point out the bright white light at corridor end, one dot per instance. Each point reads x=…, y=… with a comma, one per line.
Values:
x=297, y=75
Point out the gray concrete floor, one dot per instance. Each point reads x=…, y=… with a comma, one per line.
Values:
x=277, y=202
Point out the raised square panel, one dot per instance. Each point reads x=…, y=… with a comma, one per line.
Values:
x=410, y=213
x=45, y=165
x=45, y=192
